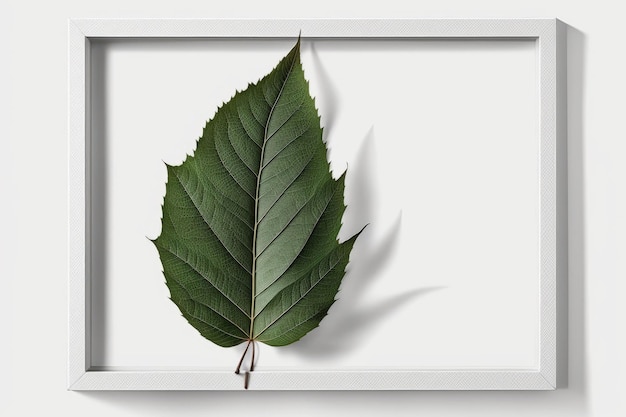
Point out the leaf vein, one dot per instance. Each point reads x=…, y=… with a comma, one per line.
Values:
x=303, y=295
x=303, y=246
x=224, y=196
x=282, y=149
x=192, y=266
x=228, y=122
x=285, y=190
x=214, y=326
x=296, y=215
x=293, y=327
x=285, y=122
x=210, y=227
x=244, y=127
x=180, y=284
x=225, y=165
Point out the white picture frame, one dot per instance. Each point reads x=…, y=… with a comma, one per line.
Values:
x=549, y=38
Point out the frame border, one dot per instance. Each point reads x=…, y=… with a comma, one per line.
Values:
x=550, y=35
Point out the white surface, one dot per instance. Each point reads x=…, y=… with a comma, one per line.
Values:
x=459, y=289
x=33, y=132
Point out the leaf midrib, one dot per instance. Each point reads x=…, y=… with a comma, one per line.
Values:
x=256, y=198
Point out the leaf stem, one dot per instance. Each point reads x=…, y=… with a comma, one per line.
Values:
x=243, y=356
x=252, y=361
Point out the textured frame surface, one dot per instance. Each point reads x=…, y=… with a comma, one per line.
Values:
x=549, y=35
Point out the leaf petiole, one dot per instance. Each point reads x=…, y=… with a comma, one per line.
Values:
x=238, y=370
x=243, y=356
x=252, y=361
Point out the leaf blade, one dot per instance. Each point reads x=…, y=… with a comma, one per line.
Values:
x=250, y=220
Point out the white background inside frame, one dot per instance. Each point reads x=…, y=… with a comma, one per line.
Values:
x=441, y=140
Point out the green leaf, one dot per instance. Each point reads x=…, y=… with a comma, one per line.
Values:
x=250, y=222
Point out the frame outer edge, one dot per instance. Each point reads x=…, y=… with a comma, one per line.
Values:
x=553, y=359
x=315, y=380
x=328, y=28
x=78, y=209
x=562, y=208
x=552, y=119
x=548, y=170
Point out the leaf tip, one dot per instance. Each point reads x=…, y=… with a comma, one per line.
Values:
x=296, y=48
x=360, y=231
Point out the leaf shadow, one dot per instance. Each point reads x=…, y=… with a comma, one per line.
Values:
x=328, y=99
x=347, y=332
x=350, y=319
x=369, y=256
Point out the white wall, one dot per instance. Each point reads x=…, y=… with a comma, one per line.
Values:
x=33, y=186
